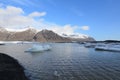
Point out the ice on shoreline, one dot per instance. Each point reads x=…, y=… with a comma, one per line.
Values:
x=16, y=42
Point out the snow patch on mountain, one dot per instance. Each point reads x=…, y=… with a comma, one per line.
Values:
x=75, y=35
x=72, y=35
x=21, y=30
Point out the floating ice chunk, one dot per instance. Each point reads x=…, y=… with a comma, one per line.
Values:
x=108, y=47
x=56, y=74
x=90, y=45
x=47, y=47
x=38, y=48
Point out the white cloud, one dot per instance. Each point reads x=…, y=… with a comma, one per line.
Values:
x=85, y=27
x=20, y=2
x=37, y=14
x=10, y=10
x=25, y=2
x=14, y=17
x=66, y=29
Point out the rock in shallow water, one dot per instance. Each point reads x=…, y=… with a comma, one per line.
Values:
x=10, y=69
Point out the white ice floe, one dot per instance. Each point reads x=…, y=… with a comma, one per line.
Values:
x=108, y=47
x=90, y=44
x=38, y=48
x=56, y=74
x=17, y=42
x=9, y=42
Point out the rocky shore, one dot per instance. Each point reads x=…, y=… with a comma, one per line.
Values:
x=10, y=69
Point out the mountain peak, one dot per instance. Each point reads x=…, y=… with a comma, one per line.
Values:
x=46, y=30
x=49, y=36
x=78, y=37
x=30, y=33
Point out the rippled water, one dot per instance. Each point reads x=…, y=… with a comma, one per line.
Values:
x=72, y=61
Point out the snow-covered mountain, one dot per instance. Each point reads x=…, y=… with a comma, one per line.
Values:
x=21, y=30
x=25, y=34
x=3, y=34
x=30, y=34
x=78, y=37
x=49, y=36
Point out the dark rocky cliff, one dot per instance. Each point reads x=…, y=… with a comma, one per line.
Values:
x=10, y=69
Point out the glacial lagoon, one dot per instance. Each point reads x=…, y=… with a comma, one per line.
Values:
x=71, y=61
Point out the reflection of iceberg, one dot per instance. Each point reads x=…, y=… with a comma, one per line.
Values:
x=38, y=48
x=108, y=47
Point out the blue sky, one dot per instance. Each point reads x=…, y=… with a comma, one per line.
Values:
x=97, y=18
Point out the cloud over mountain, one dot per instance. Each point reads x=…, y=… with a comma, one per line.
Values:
x=85, y=27
x=37, y=14
x=15, y=17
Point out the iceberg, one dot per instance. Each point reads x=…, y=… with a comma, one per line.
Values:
x=38, y=48
x=90, y=45
x=108, y=47
x=47, y=47
x=56, y=74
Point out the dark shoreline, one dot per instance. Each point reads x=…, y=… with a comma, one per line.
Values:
x=10, y=69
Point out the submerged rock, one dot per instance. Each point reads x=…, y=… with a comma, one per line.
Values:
x=10, y=69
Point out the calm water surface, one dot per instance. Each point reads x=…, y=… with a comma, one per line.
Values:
x=72, y=61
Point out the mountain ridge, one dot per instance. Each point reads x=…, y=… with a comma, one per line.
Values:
x=32, y=34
